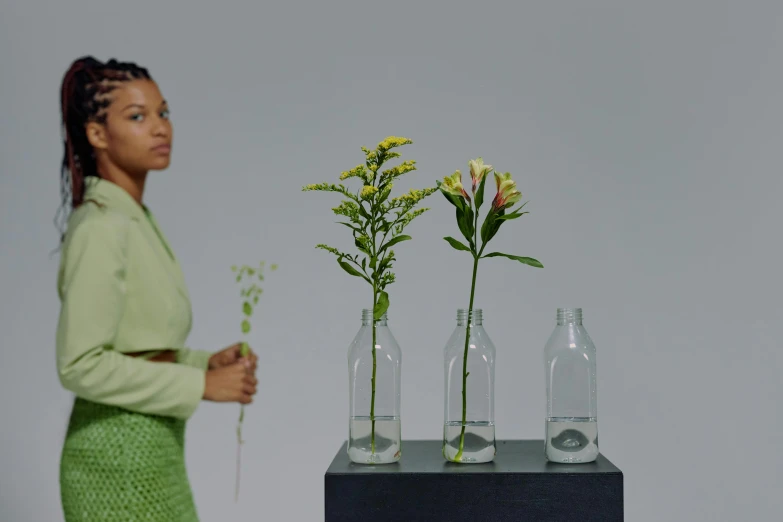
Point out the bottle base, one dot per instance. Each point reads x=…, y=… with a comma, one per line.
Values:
x=478, y=442
x=382, y=447
x=571, y=440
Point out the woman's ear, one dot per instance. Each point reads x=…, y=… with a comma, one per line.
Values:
x=96, y=135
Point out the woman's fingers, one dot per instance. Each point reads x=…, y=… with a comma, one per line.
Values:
x=249, y=384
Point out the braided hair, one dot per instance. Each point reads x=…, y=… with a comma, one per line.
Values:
x=84, y=97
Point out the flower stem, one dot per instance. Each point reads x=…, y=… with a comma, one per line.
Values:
x=458, y=456
x=476, y=257
x=374, y=365
x=374, y=359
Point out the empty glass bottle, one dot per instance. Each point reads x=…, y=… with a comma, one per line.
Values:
x=469, y=426
x=571, y=395
x=374, y=364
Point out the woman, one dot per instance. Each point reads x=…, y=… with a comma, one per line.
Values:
x=125, y=311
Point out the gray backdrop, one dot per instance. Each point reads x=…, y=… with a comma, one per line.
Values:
x=644, y=135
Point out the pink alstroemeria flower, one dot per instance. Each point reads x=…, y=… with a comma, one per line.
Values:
x=477, y=171
x=507, y=192
x=453, y=185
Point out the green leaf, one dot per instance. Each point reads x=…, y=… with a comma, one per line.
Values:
x=373, y=262
x=462, y=226
x=361, y=248
x=381, y=306
x=480, y=193
x=525, y=260
x=469, y=222
x=255, y=300
x=456, y=244
x=495, y=226
x=385, y=263
x=512, y=216
x=239, y=277
x=245, y=326
x=458, y=202
x=352, y=227
x=383, y=194
x=465, y=222
x=247, y=308
x=491, y=225
x=363, y=212
x=394, y=241
x=351, y=270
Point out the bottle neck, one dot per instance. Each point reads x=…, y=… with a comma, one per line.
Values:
x=367, y=317
x=569, y=316
x=475, y=317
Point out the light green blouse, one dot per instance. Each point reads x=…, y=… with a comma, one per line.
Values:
x=122, y=290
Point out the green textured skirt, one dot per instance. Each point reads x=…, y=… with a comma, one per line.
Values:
x=119, y=465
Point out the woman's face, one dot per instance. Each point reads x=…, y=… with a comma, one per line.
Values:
x=137, y=134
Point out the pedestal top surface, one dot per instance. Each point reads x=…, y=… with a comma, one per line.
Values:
x=513, y=456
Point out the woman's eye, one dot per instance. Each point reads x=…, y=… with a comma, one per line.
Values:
x=137, y=117
x=164, y=114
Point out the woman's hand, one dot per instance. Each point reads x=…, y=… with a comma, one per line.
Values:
x=230, y=355
x=231, y=377
x=230, y=383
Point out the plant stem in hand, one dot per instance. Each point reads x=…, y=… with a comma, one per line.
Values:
x=239, y=456
x=243, y=352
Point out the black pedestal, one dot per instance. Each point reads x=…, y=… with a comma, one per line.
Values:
x=520, y=485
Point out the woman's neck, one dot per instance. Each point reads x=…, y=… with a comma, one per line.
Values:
x=133, y=185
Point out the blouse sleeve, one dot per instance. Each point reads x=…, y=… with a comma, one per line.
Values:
x=195, y=358
x=92, y=291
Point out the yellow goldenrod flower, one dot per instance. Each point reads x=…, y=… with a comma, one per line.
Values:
x=368, y=191
x=399, y=170
x=356, y=172
x=391, y=142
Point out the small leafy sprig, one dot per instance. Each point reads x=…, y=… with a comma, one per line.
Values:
x=377, y=222
x=467, y=213
x=250, y=293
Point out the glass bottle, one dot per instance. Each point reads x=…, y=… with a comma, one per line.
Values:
x=571, y=395
x=469, y=424
x=374, y=364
